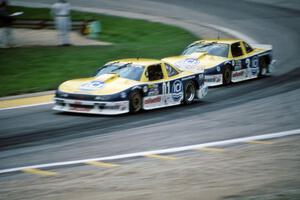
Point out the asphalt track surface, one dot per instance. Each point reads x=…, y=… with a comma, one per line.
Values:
x=37, y=135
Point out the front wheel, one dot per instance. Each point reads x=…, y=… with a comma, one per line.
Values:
x=189, y=92
x=227, y=75
x=135, y=102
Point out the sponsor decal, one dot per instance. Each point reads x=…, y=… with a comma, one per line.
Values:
x=188, y=63
x=145, y=89
x=115, y=107
x=237, y=74
x=77, y=102
x=82, y=109
x=177, y=89
x=201, y=76
x=152, y=100
x=213, y=78
x=92, y=85
x=238, y=65
x=123, y=95
x=153, y=90
x=254, y=71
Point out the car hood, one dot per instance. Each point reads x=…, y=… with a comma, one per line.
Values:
x=195, y=61
x=105, y=84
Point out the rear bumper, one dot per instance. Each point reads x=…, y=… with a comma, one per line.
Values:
x=202, y=92
x=91, y=107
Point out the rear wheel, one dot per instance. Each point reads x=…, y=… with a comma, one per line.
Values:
x=135, y=102
x=227, y=75
x=263, y=66
x=189, y=92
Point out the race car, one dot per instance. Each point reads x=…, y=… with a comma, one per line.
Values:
x=130, y=85
x=225, y=61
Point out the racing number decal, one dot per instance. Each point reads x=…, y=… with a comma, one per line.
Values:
x=177, y=90
x=248, y=63
x=177, y=86
x=174, y=93
x=166, y=88
x=253, y=64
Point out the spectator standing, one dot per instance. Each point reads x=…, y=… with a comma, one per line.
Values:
x=5, y=24
x=61, y=12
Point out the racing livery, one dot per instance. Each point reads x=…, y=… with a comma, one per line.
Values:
x=225, y=61
x=130, y=85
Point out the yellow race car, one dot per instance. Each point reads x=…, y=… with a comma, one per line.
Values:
x=130, y=85
x=225, y=61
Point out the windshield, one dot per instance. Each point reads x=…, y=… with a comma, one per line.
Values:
x=124, y=70
x=215, y=49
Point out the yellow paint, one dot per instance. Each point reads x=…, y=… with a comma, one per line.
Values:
x=39, y=172
x=211, y=149
x=161, y=157
x=25, y=101
x=101, y=164
x=259, y=142
x=115, y=84
x=208, y=61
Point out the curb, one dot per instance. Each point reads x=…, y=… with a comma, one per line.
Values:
x=36, y=94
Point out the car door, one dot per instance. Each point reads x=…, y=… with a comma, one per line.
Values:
x=251, y=61
x=173, y=86
x=241, y=69
x=154, y=92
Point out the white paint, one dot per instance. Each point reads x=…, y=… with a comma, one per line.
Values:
x=25, y=106
x=161, y=151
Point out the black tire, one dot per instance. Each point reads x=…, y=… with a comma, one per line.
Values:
x=135, y=102
x=263, y=65
x=189, y=92
x=227, y=75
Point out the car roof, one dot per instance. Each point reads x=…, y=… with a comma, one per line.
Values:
x=222, y=41
x=139, y=61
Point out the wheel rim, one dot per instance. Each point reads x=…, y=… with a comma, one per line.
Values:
x=136, y=102
x=190, y=93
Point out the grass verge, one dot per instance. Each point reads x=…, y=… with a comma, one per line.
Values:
x=33, y=69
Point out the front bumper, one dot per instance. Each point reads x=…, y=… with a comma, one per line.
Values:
x=91, y=107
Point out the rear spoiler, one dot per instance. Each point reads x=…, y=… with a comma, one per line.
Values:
x=262, y=46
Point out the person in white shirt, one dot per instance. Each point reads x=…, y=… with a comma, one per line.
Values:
x=5, y=25
x=61, y=12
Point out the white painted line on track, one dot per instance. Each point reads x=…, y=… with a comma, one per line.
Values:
x=161, y=151
x=25, y=106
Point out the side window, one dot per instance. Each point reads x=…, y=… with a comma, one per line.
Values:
x=247, y=47
x=171, y=71
x=236, y=49
x=155, y=73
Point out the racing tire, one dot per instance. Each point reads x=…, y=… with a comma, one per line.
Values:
x=189, y=92
x=263, y=65
x=135, y=102
x=227, y=75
